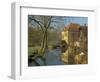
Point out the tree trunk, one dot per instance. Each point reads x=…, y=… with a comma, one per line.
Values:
x=44, y=44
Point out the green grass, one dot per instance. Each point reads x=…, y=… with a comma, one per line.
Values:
x=31, y=50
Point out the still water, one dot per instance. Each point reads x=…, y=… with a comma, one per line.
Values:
x=53, y=57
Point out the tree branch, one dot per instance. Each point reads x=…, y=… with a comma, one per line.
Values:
x=49, y=22
x=37, y=23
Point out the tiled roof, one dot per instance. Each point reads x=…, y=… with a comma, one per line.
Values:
x=73, y=27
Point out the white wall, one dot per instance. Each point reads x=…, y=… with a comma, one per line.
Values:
x=5, y=39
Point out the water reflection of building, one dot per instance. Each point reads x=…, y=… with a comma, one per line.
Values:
x=76, y=37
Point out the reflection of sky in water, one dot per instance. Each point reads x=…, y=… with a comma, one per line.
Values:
x=79, y=20
x=53, y=57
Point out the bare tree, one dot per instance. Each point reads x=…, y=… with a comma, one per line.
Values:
x=45, y=22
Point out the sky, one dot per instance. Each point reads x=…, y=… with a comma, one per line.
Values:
x=67, y=20
x=79, y=20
